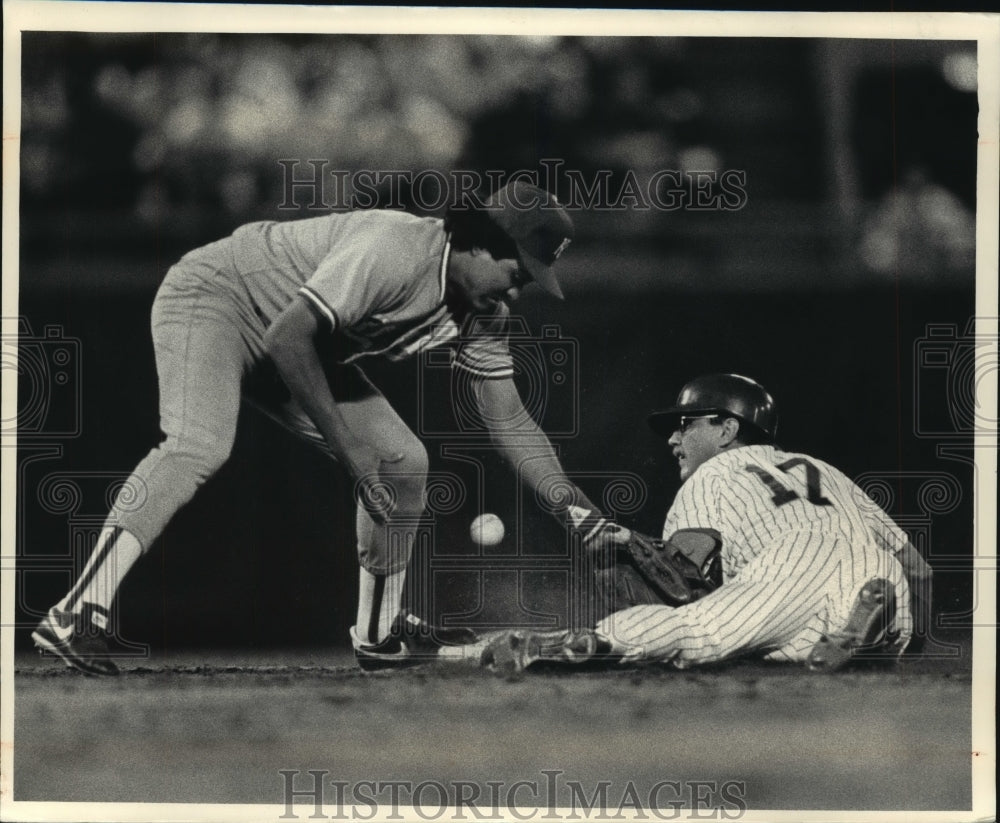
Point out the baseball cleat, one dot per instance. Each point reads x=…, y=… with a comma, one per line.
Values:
x=866, y=630
x=80, y=639
x=410, y=642
x=512, y=652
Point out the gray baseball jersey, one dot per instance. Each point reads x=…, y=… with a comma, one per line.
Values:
x=375, y=278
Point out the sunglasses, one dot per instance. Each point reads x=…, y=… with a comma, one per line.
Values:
x=685, y=422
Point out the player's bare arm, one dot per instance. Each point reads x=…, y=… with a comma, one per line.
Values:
x=291, y=343
x=521, y=443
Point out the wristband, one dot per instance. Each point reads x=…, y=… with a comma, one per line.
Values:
x=587, y=522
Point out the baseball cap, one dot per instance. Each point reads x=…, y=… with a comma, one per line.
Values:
x=539, y=226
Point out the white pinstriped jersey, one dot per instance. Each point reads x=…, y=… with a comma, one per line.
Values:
x=755, y=495
x=377, y=278
x=799, y=539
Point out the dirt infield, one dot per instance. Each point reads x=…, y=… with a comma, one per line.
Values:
x=211, y=730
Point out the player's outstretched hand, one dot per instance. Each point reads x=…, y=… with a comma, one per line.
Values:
x=607, y=540
x=597, y=534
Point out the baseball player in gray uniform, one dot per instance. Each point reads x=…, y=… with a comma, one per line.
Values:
x=282, y=313
x=812, y=569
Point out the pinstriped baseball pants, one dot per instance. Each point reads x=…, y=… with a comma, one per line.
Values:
x=778, y=605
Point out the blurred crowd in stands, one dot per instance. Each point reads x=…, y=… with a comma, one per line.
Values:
x=184, y=133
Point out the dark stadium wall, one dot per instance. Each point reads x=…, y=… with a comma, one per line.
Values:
x=265, y=556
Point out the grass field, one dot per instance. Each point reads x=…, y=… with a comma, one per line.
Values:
x=211, y=729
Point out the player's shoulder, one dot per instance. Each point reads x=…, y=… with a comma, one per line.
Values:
x=710, y=474
x=765, y=454
x=739, y=457
x=402, y=251
x=394, y=217
x=394, y=231
x=386, y=229
x=724, y=469
x=827, y=468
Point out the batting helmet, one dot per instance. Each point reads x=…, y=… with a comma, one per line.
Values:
x=731, y=394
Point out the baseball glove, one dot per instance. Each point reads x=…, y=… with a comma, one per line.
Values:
x=632, y=569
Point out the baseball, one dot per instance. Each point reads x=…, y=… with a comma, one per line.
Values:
x=487, y=530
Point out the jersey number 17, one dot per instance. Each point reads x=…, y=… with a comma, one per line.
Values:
x=781, y=494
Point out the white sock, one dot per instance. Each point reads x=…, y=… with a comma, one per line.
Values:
x=379, y=598
x=115, y=553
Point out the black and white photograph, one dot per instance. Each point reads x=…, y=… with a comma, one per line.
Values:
x=534, y=414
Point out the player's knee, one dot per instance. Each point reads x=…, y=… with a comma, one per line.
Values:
x=415, y=460
x=200, y=458
x=207, y=463
x=407, y=476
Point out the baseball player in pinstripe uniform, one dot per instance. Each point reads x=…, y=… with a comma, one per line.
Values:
x=813, y=570
x=305, y=301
